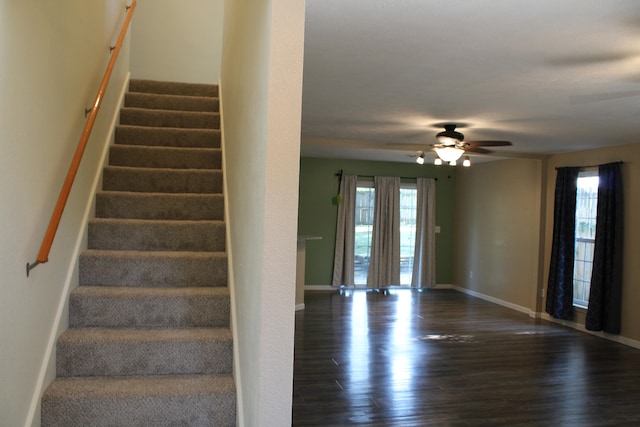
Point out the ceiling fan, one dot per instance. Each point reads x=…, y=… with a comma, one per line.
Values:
x=451, y=144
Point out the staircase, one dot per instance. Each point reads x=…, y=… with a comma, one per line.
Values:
x=149, y=342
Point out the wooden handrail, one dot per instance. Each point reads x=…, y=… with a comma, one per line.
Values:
x=54, y=222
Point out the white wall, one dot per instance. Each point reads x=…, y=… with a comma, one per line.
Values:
x=52, y=56
x=261, y=100
x=177, y=40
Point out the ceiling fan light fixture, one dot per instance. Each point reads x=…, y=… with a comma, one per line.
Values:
x=446, y=140
x=452, y=163
x=467, y=162
x=420, y=159
x=449, y=154
x=449, y=136
x=437, y=161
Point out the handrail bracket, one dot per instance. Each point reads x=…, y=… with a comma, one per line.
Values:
x=32, y=266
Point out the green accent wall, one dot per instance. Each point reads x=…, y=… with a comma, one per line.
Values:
x=317, y=211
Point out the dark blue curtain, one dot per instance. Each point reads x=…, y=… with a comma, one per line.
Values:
x=603, y=313
x=560, y=285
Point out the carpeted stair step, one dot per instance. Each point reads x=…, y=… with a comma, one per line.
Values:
x=167, y=400
x=119, y=307
x=123, y=178
x=167, y=118
x=167, y=137
x=149, y=341
x=165, y=157
x=156, y=235
x=173, y=88
x=152, y=269
x=143, y=351
x=171, y=102
x=120, y=204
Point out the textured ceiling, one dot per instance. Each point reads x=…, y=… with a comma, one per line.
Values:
x=380, y=76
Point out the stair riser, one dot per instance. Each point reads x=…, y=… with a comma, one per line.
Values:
x=143, y=358
x=171, y=102
x=152, y=236
x=161, y=157
x=173, y=88
x=167, y=137
x=159, y=206
x=172, y=119
x=161, y=180
x=148, y=311
x=197, y=410
x=152, y=269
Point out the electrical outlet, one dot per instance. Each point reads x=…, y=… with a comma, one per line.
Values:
x=470, y=274
x=542, y=292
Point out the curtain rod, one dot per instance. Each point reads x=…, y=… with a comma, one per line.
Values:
x=589, y=166
x=401, y=177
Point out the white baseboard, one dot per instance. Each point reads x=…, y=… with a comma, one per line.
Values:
x=544, y=316
x=494, y=300
x=60, y=322
x=334, y=288
x=574, y=325
x=616, y=338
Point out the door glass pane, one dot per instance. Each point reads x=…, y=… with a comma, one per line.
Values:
x=408, y=198
x=364, y=224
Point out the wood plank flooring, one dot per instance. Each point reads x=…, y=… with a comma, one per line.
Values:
x=442, y=358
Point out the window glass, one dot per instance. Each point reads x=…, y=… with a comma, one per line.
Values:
x=586, y=212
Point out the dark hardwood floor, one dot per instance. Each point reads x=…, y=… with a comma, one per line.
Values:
x=446, y=359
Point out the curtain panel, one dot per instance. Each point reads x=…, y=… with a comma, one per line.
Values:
x=605, y=295
x=343, y=269
x=559, y=302
x=424, y=257
x=384, y=264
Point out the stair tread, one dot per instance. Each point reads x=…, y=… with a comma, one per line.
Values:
x=133, y=292
x=169, y=129
x=183, y=88
x=170, y=95
x=215, y=113
x=134, y=221
x=158, y=194
x=132, y=335
x=149, y=385
x=153, y=254
x=164, y=170
x=175, y=149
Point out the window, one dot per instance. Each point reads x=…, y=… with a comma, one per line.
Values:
x=365, y=198
x=586, y=212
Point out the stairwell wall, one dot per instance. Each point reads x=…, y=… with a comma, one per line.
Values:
x=177, y=40
x=261, y=83
x=52, y=57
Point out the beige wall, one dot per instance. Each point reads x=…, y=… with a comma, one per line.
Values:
x=177, y=40
x=504, y=226
x=262, y=99
x=497, y=230
x=52, y=57
x=630, y=155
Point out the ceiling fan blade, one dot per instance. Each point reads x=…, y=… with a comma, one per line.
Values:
x=474, y=144
x=583, y=99
x=478, y=150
